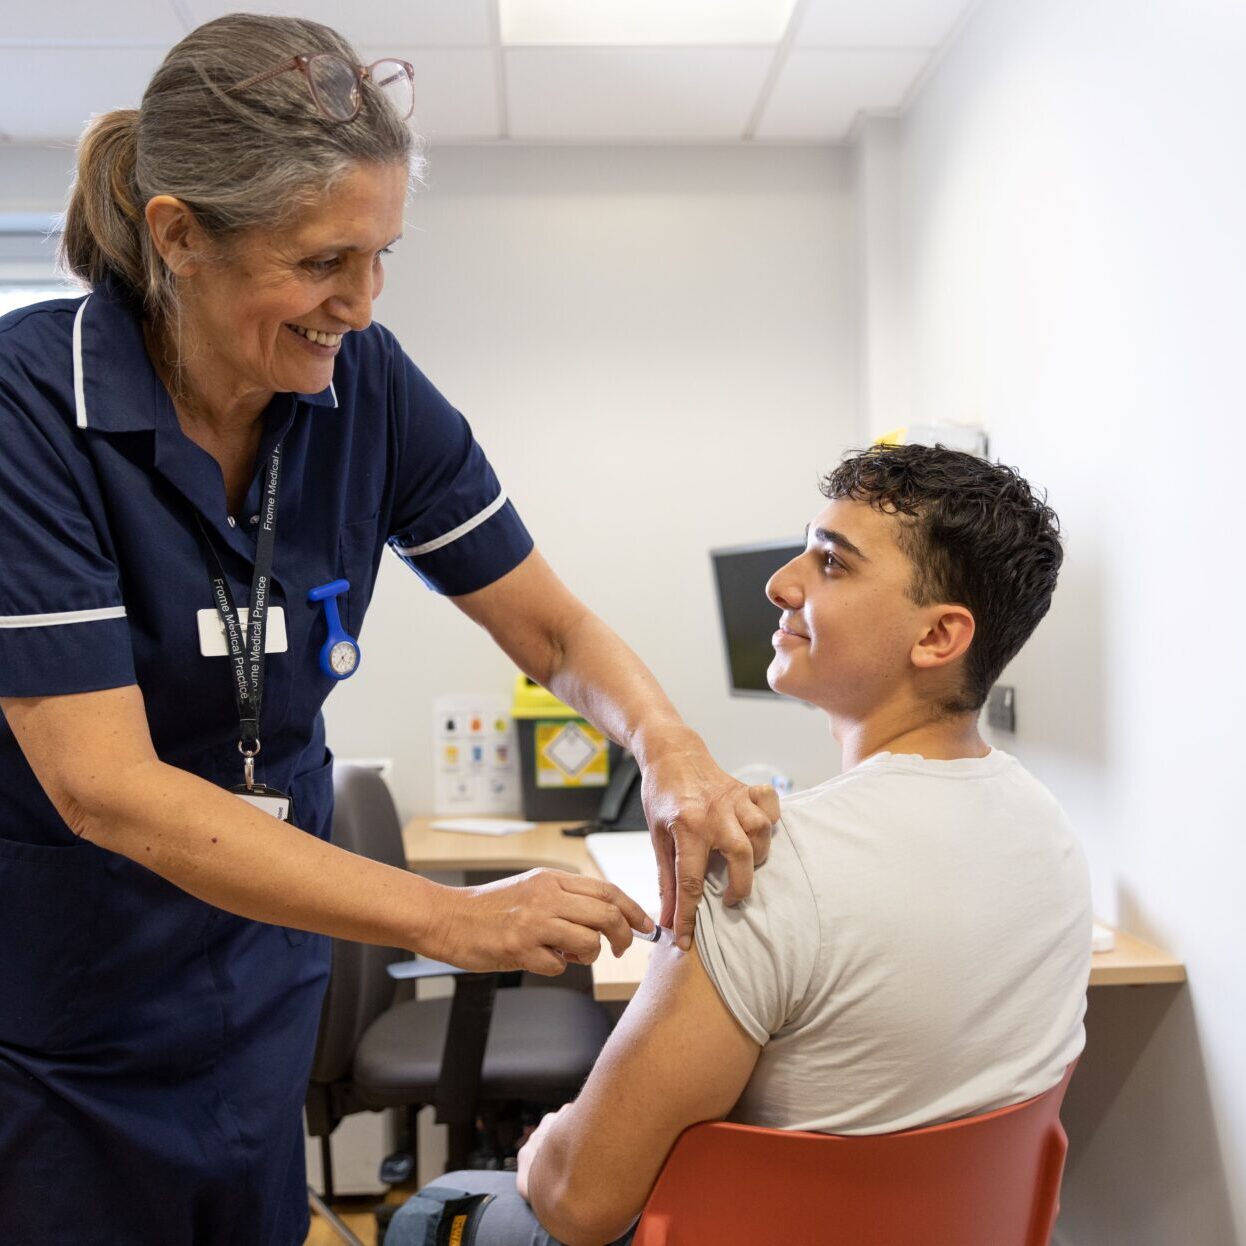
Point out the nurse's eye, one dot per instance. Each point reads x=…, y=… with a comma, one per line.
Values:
x=831, y=565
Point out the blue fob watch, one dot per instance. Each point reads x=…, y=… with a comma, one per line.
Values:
x=339, y=655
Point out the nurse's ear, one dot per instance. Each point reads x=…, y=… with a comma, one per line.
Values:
x=176, y=234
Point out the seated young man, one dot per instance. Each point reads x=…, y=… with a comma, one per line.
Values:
x=917, y=946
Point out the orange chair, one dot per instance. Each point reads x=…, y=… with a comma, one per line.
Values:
x=991, y=1180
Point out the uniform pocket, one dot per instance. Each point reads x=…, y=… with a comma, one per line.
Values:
x=48, y=898
x=312, y=794
x=359, y=548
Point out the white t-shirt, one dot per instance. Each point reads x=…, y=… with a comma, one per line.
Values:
x=916, y=947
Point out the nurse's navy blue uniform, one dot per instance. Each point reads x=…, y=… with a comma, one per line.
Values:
x=154, y=1050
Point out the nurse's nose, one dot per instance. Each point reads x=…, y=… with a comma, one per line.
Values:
x=784, y=587
x=352, y=299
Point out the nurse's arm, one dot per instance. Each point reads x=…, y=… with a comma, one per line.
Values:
x=93, y=755
x=677, y=1057
x=693, y=807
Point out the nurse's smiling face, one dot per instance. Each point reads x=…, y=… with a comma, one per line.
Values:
x=267, y=313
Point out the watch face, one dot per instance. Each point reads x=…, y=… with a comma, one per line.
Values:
x=344, y=657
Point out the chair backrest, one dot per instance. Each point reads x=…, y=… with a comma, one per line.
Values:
x=991, y=1180
x=366, y=822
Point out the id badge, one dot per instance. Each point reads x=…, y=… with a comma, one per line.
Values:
x=268, y=799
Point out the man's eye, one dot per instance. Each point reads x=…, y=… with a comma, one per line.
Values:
x=320, y=267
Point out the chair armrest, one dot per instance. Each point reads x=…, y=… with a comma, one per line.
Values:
x=422, y=967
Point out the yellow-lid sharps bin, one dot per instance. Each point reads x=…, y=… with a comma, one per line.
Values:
x=564, y=761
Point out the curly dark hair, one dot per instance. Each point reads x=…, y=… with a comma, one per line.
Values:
x=976, y=533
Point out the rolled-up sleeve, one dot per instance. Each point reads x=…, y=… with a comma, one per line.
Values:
x=63, y=622
x=760, y=953
x=453, y=522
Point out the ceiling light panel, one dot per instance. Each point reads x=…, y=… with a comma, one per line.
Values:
x=642, y=23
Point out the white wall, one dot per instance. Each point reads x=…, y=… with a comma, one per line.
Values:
x=1070, y=249
x=657, y=349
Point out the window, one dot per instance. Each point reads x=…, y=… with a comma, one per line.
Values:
x=14, y=296
x=28, y=260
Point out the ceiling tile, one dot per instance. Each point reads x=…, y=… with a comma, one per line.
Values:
x=455, y=91
x=387, y=24
x=48, y=93
x=71, y=21
x=659, y=94
x=818, y=94
x=878, y=23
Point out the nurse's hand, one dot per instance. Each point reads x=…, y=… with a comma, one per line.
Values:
x=693, y=809
x=539, y=921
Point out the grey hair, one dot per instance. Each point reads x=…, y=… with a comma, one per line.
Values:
x=247, y=160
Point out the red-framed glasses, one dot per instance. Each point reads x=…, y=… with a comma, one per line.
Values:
x=336, y=84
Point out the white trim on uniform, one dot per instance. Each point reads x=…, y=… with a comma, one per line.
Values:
x=80, y=400
x=414, y=551
x=62, y=616
x=333, y=391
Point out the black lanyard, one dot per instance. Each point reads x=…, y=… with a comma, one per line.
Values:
x=247, y=652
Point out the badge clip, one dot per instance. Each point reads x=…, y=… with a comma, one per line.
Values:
x=339, y=655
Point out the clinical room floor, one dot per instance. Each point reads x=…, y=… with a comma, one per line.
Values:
x=358, y=1217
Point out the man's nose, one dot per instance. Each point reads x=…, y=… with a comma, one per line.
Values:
x=783, y=588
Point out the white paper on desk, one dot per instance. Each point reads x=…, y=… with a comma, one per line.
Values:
x=483, y=826
x=626, y=859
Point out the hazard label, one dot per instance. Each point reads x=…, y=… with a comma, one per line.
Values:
x=570, y=754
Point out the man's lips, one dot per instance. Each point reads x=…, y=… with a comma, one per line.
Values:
x=787, y=635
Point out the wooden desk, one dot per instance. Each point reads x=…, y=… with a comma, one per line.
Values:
x=1131, y=963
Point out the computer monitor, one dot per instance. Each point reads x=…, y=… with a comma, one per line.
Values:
x=748, y=619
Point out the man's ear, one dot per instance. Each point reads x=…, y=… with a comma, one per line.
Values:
x=176, y=234
x=948, y=635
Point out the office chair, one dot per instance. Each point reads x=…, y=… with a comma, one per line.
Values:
x=460, y=1055
x=990, y=1180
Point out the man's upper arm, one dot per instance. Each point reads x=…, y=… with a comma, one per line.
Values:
x=677, y=1057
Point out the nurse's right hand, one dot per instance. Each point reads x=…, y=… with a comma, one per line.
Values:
x=539, y=921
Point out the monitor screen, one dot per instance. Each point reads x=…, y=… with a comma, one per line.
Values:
x=748, y=618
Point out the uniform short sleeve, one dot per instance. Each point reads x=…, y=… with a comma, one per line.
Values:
x=62, y=618
x=760, y=954
x=453, y=523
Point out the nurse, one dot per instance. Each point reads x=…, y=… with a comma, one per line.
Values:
x=219, y=425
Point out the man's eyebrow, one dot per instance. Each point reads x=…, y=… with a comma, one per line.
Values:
x=828, y=536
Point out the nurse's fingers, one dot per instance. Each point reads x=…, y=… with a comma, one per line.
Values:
x=619, y=913
x=601, y=917
x=547, y=962
x=524, y=922
x=578, y=944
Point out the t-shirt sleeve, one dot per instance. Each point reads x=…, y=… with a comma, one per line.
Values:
x=760, y=954
x=63, y=622
x=452, y=521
